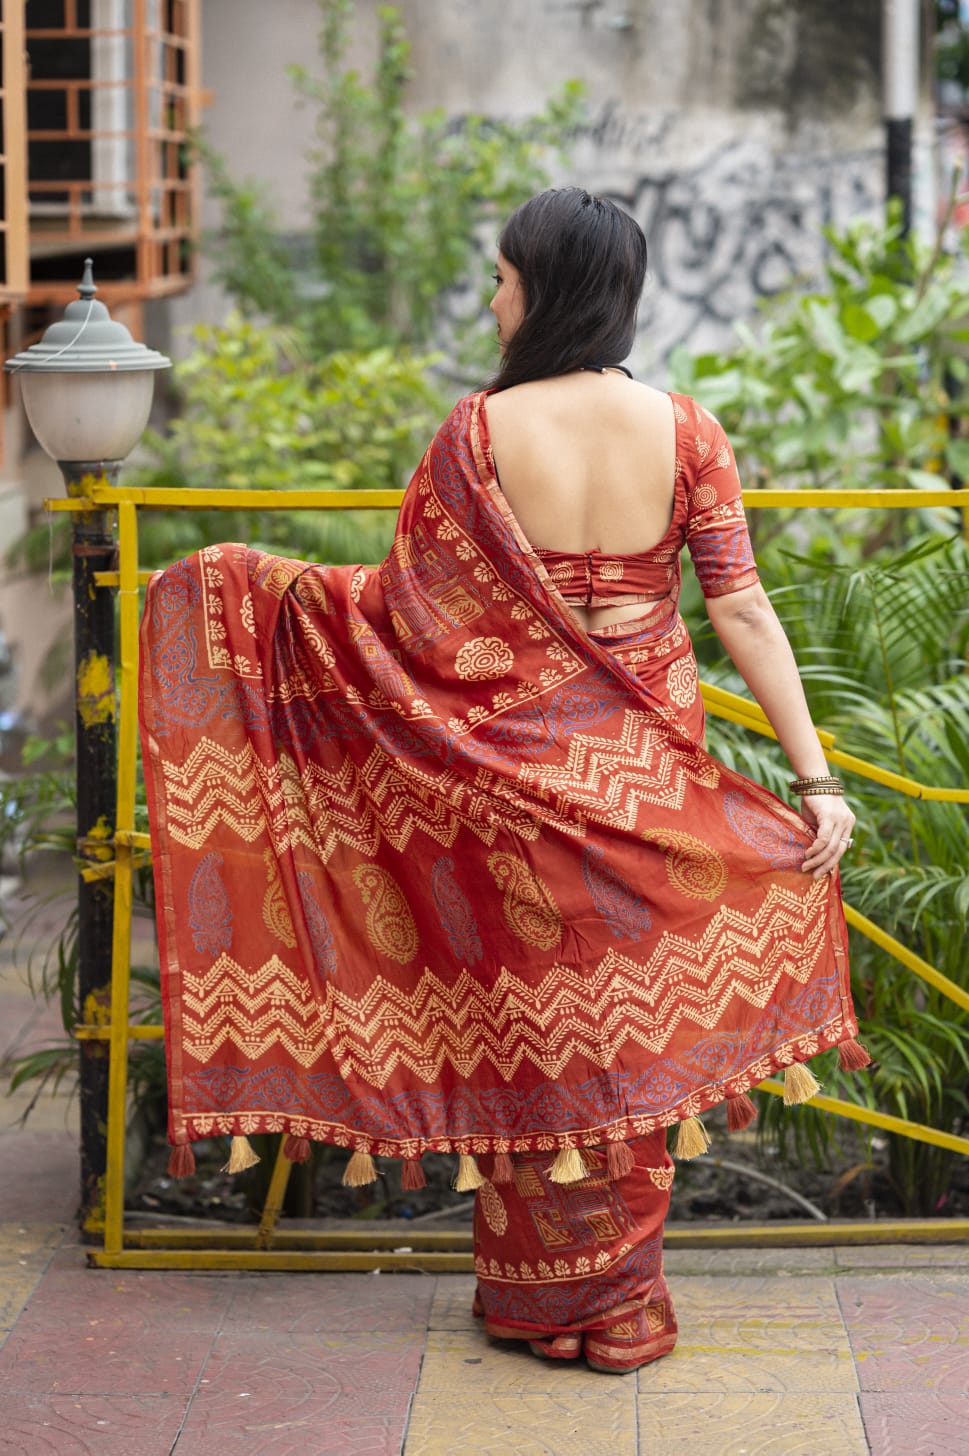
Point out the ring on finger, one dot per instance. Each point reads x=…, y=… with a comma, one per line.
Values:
x=847, y=843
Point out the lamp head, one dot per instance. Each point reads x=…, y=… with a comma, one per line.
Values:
x=87, y=385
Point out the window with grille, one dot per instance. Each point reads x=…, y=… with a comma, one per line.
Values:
x=112, y=92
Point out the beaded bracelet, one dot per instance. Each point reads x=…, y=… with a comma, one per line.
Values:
x=823, y=784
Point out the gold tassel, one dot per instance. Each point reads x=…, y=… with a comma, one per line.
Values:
x=360, y=1171
x=568, y=1167
x=469, y=1176
x=241, y=1156
x=800, y=1083
x=691, y=1139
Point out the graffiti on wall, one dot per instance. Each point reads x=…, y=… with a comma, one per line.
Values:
x=736, y=225
x=728, y=222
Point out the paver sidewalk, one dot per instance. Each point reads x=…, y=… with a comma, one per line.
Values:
x=819, y=1352
x=805, y=1353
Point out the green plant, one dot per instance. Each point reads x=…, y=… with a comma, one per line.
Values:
x=861, y=381
x=882, y=650
x=261, y=413
x=397, y=201
x=857, y=382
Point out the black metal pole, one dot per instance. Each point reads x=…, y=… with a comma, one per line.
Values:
x=94, y=550
x=898, y=166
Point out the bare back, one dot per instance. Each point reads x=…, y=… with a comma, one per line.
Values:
x=586, y=461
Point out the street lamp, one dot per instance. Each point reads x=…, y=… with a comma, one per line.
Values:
x=87, y=390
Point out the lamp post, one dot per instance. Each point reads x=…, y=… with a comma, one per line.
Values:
x=87, y=388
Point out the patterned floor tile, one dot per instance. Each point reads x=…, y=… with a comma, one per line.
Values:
x=695, y=1424
x=25, y=1251
x=908, y=1333
x=303, y=1393
x=720, y=1262
x=130, y=1303
x=330, y=1304
x=451, y=1309
x=727, y=1367
x=766, y=1291
x=916, y=1423
x=50, y=1357
x=482, y=1368
x=90, y=1425
x=796, y=1311
x=570, y=1422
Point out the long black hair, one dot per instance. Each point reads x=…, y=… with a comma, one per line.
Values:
x=582, y=262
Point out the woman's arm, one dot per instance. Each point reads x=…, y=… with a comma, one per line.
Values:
x=748, y=627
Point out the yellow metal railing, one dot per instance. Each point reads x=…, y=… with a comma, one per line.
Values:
x=268, y=1246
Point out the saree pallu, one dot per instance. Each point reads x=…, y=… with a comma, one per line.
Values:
x=436, y=869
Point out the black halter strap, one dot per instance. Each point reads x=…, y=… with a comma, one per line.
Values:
x=601, y=368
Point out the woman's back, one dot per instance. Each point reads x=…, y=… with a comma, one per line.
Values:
x=586, y=462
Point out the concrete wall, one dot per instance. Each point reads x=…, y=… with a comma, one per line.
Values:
x=732, y=129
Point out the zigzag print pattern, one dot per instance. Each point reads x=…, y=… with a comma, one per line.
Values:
x=433, y=1023
x=611, y=777
x=322, y=808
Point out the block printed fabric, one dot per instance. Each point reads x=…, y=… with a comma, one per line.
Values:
x=437, y=869
x=579, y=1265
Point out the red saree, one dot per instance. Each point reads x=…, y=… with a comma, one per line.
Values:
x=436, y=869
x=577, y=1268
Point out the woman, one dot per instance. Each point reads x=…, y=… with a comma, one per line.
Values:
x=441, y=858
x=596, y=470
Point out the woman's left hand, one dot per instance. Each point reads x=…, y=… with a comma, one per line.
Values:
x=833, y=822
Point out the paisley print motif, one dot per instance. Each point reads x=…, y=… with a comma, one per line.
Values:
x=624, y=912
x=528, y=907
x=321, y=936
x=209, y=909
x=390, y=924
x=275, y=911
x=763, y=832
x=454, y=908
x=695, y=868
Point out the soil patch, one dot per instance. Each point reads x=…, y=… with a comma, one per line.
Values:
x=736, y=1181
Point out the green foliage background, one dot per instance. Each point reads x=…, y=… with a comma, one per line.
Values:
x=861, y=383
